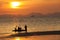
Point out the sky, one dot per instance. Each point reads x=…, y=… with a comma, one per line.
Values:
x=29, y=6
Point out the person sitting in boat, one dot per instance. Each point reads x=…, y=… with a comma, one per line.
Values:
x=19, y=28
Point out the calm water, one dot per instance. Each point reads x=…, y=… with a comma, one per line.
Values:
x=34, y=24
x=44, y=37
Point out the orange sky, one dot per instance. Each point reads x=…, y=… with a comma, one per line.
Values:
x=29, y=6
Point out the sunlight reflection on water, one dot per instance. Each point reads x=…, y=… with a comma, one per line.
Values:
x=49, y=37
x=34, y=24
x=17, y=38
x=44, y=37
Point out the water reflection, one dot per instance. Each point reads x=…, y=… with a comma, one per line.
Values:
x=41, y=37
x=45, y=37
x=20, y=38
x=17, y=38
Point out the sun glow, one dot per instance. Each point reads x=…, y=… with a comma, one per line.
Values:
x=15, y=4
x=17, y=38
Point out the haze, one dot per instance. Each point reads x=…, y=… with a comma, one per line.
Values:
x=28, y=6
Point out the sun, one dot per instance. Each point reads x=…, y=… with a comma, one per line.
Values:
x=15, y=4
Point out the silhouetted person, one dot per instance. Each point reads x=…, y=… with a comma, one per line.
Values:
x=19, y=29
x=26, y=28
x=15, y=28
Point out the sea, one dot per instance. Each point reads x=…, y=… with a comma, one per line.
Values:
x=34, y=24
